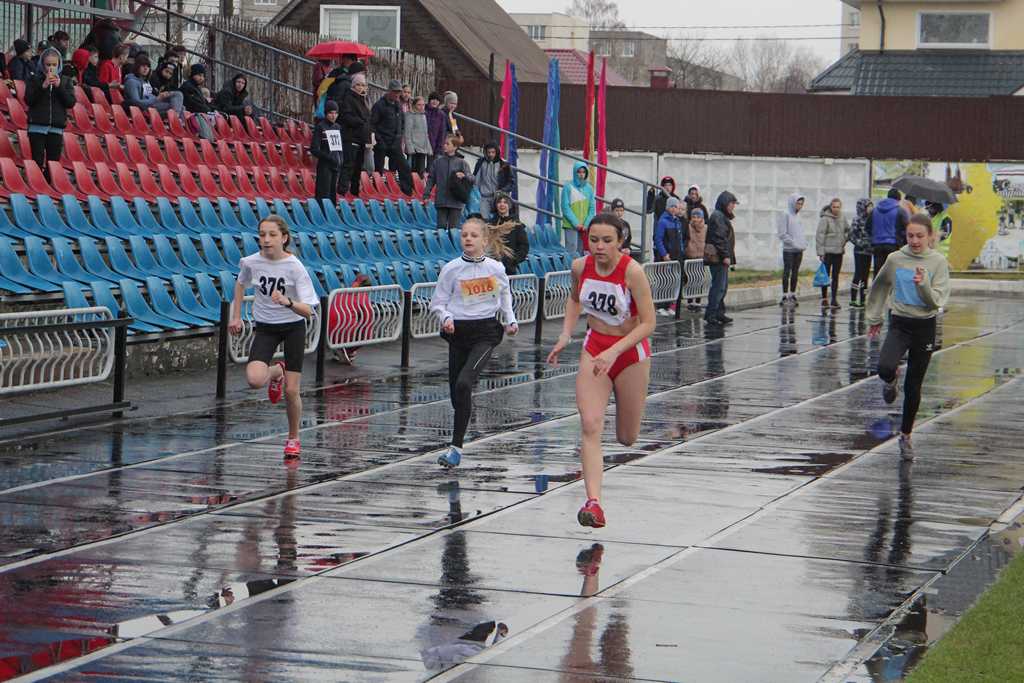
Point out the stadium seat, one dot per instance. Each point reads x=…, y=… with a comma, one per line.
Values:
x=255, y=153
x=72, y=151
x=165, y=305
x=142, y=256
x=247, y=217
x=85, y=183
x=152, y=155
x=330, y=210
x=168, y=218
x=25, y=218
x=139, y=123
x=61, y=183
x=13, y=183
x=8, y=228
x=373, y=245
x=299, y=219
x=348, y=217
x=241, y=155
x=250, y=243
x=269, y=133
x=318, y=285
x=316, y=213
x=13, y=287
x=208, y=215
x=344, y=251
x=245, y=186
x=188, y=183
x=209, y=155
x=187, y=301
x=274, y=157
x=238, y=128
x=308, y=182
x=69, y=265
x=156, y=124
x=190, y=219
x=212, y=253
x=295, y=187
x=102, y=295
x=171, y=151
x=262, y=209
x=112, y=144
x=327, y=252
x=131, y=189
x=93, y=261
x=148, y=183
x=231, y=253
x=49, y=215
x=368, y=189
x=421, y=216
x=263, y=188
x=435, y=246
x=39, y=263
x=378, y=216
x=176, y=128
x=363, y=217
x=76, y=219
x=7, y=150
x=35, y=179
x=185, y=261
x=208, y=184
x=396, y=244
x=79, y=122
x=137, y=307
x=408, y=218
x=94, y=150
x=278, y=185
x=209, y=294
x=74, y=295
x=12, y=269
x=107, y=184
x=228, y=216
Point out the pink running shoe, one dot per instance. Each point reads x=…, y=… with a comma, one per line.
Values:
x=291, y=447
x=276, y=387
x=591, y=514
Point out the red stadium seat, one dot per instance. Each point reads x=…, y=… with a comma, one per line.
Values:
x=79, y=121
x=171, y=150
x=209, y=155
x=149, y=185
x=114, y=149
x=97, y=96
x=242, y=154
x=263, y=186
x=246, y=188
x=5, y=94
x=103, y=119
x=289, y=158
x=305, y=160
x=7, y=150
x=274, y=156
x=308, y=182
x=94, y=150
x=19, y=119
x=127, y=182
x=37, y=181
x=258, y=158
x=238, y=128
x=270, y=134
x=167, y=182
x=154, y=154
x=73, y=151
x=394, y=188
x=83, y=99
x=12, y=180
x=223, y=128
x=225, y=156
x=120, y=120
x=139, y=122
x=293, y=131
x=295, y=187
x=368, y=191
x=277, y=183
x=156, y=123
x=208, y=184
x=19, y=91
x=116, y=97
x=176, y=127
x=62, y=183
x=188, y=183
x=305, y=134
x=253, y=129
x=191, y=153
x=106, y=181
x=84, y=181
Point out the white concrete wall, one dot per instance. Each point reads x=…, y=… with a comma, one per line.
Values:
x=762, y=185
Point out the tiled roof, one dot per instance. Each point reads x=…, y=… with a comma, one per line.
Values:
x=942, y=73
x=572, y=66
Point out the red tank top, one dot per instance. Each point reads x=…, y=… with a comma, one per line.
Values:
x=606, y=297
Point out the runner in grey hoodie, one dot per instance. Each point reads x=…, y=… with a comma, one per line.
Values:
x=791, y=232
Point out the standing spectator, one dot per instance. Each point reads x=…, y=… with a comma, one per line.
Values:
x=406, y=98
x=670, y=241
x=696, y=239
x=354, y=115
x=417, y=136
x=578, y=208
x=619, y=211
x=493, y=174
x=340, y=78
x=233, y=97
x=656, y=200
x=192, y=91
x=447, y=205
x=833, y=232
x=887, y=226
x=451, y=101
x=515, y=237
x=861, y=254
x=693, y=200
x=48, y=96
x=386, y=120
x=105, y=36
x=110, y=69
x=20, y=66
x=435, y=126
x=320, y=71
x=721, y=247
x=791, y=232
x=59, y=42
x=139, y=92
x=328, y=153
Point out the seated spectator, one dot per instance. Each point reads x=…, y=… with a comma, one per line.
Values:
x=233, y=98
x=110, y=70
x=48, y=96
x=20, y=66
x=513, y=235
x=162, y=79
x=86, y=61
x=138, y=91
x=59, y=42
x=192, y=91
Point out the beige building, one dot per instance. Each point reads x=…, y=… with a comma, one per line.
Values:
x=849, y=31
x=949, y=24
x=555, y=31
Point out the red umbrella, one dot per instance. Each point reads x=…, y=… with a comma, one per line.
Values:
x=335, y=49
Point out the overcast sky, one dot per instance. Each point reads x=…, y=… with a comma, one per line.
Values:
x=647, y=15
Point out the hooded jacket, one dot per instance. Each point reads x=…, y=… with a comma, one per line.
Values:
x=908, y=298
x=887, y=224
x=670, y=237
x=691, y=204
x=386, y=121
x=139, y=92
x=439, y=176
x=354, y=118
x=229, y=100
x=105, y=36
x=435, y=128
x=657, y=198
x=791, y=227
x=833, y=232
x=161, y=84
x=578, y=205
x=48, y=105
x=493, y=176
x=416, y=135
x=192, y=96
x=696, y=238
x=858, y=228
x=720, y=233
x=516, y=238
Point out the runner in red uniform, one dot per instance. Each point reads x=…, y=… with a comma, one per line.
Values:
x=613, y=291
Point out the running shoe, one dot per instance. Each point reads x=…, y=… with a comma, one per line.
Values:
x=793, y=301
x=291, y=447
x=276, y=387
x=824, y=303
x=906, y=447
x=724, y=319
x=452, y=457
x=588, y=562
x=712, y=321
x=591, y=514
x=890, y=390
x=835, y=305
x=784, y=300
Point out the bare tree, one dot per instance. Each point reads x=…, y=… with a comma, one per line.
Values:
x=699, y=64
x=599, y=14
x=772, y=65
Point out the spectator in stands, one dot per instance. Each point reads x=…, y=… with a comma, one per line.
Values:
x=692, y=201
x=20, y=66
x=138, y=91
x=48, y=96
x=578, y=207
x=320, y=71
x=110, y=70
x=59, y=42
x=619, y=211
x=208, y=96
x=417, y=139
x=327, y=150
x=192, y=91
x=80, y=61
x=173, y=80
x=449, y=165
x=406, y=98
x=518, y=242
x=435, y=127
x=162, y=79
x=451, y=101
x=354, y=114
x=656, y=200
x=493, y=174
x=105, y=36
x=721, y=247
x=697, y=236
x=233, y=97
x=670, y=239
x=386, y=120
x=341, y=78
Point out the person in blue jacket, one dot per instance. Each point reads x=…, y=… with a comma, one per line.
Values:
x=578, y=207
x=887, y=226
x=670, y=240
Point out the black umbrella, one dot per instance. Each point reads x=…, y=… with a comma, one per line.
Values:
x=925, y=188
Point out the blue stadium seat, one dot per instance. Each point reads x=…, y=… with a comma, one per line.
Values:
x=250, y=244
x=373, y=245
x=189, y=255
x=69, y=265
x=190, y=219
x=125, y=220
x=431, y=270
x=416, y=272
x=316, y=213
x=263, y=210
x=229, y=246
x=146, y=219
x=431, y=213
x=330, y=210
x=401, y=274
x=227, y=285
x=396, y=244
x=39, y=263
x=363, y=218
x=99, y=217
x=228, y=216
x=208, y=214
x=359, y=249
x=409, y=219
x=13, y=287
x=187, y=263
x=50, y=216
x=9, y=229
x=420, y=247
x=341, y=246
x=25, y=218
x=296, y=215
x=307, y=251
x=12, y=269
x=327, y=253
x=121, y=263
x=349, y=219
x=436, y=247
x=74, y=296
x=137, y=307
x=164, y=305
x=347, y=274
x=246, y=216
x=102, y=295
x=318, y=286
x=383, y=274
x=395, y=217
x=94, y=263
x=212, y=253
x=142, y=256
x=188, y=302
x=209, y=294
x=421, y=216
x=331, y=279
x=172, y=224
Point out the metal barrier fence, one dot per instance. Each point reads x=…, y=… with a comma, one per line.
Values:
x=422, y=323
x=524, y=297
x=239, y=346
x=665, y=278
x=557, y=286
x=698, y=279
x=358, y=316
x=62, y=348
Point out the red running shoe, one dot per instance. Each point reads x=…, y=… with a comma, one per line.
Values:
x=276, y=387
x=591, y=514
x=291, y=447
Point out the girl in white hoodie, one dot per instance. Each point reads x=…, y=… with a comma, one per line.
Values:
x=791, y=232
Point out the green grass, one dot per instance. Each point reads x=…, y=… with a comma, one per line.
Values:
x=985, y=646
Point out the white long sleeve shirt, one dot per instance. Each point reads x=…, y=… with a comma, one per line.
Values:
x=472, y=290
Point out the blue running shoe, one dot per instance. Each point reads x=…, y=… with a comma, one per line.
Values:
x=452, y=457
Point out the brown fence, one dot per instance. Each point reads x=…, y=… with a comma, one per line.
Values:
x=760, y=124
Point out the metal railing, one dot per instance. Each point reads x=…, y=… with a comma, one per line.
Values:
x=358, y=316
x=698, y=279
x=665, y=278
x=422, y=323
x=524, y=297
x=238, y=347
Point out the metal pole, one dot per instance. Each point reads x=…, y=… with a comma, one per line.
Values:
x=321, y=349
x=538, y=326
x=490, y=91
x=120, y=360
x=270, y=95
x=167, y=22
x=406, y=328
x=222, y=350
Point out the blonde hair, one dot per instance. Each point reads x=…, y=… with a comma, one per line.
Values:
x=282, y=225
x=495, y=234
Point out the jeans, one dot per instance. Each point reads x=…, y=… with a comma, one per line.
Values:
x=918, y=337
x=448, y=219
x=833, y=264
x=791, y=270
x=573, y=241
x=396, y=162
x=716, y=296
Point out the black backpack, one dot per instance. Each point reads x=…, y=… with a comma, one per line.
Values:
x=460, y=188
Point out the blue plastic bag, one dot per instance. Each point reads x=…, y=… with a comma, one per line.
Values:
x=473, y=205
x=821, y=277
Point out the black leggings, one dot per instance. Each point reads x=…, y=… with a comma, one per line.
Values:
x=45, y=147
x=918, y=337
x=833, y=264
x=881, y=253
x=791, y=270
x=862, y=268
x=469, y=349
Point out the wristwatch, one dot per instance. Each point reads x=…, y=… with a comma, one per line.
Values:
x=290, y=303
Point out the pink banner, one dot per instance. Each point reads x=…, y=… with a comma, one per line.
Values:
x=588, y=128
x=506, y=98
x=602, y=139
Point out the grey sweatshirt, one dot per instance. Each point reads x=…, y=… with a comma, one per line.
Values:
x=909, y=299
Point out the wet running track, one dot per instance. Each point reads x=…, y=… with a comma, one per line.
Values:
x=761, y=529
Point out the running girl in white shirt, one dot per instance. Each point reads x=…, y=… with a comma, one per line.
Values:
x=470, y=291
x=283, y=299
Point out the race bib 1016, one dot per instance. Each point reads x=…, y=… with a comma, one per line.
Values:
x=480, y=289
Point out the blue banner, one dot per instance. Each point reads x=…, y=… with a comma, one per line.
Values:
x=513, y=126
x=547, y=195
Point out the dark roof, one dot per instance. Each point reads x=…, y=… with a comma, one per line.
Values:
x=572, y=66
x=943, y=73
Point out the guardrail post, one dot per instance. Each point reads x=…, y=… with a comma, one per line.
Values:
x=539, y=323
x=679, y=296
x=406, y=328
x=273, y=103
x=321, y=348
x=120, y=360
x=222, y=350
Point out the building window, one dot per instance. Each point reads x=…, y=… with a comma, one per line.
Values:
x=854, y=19
x=264, y=2
x=378, y=26
x=954, y=29
x=537, y=33
x=851, y=47
x=628, y=49
x=194, y=26
x=603, y=49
